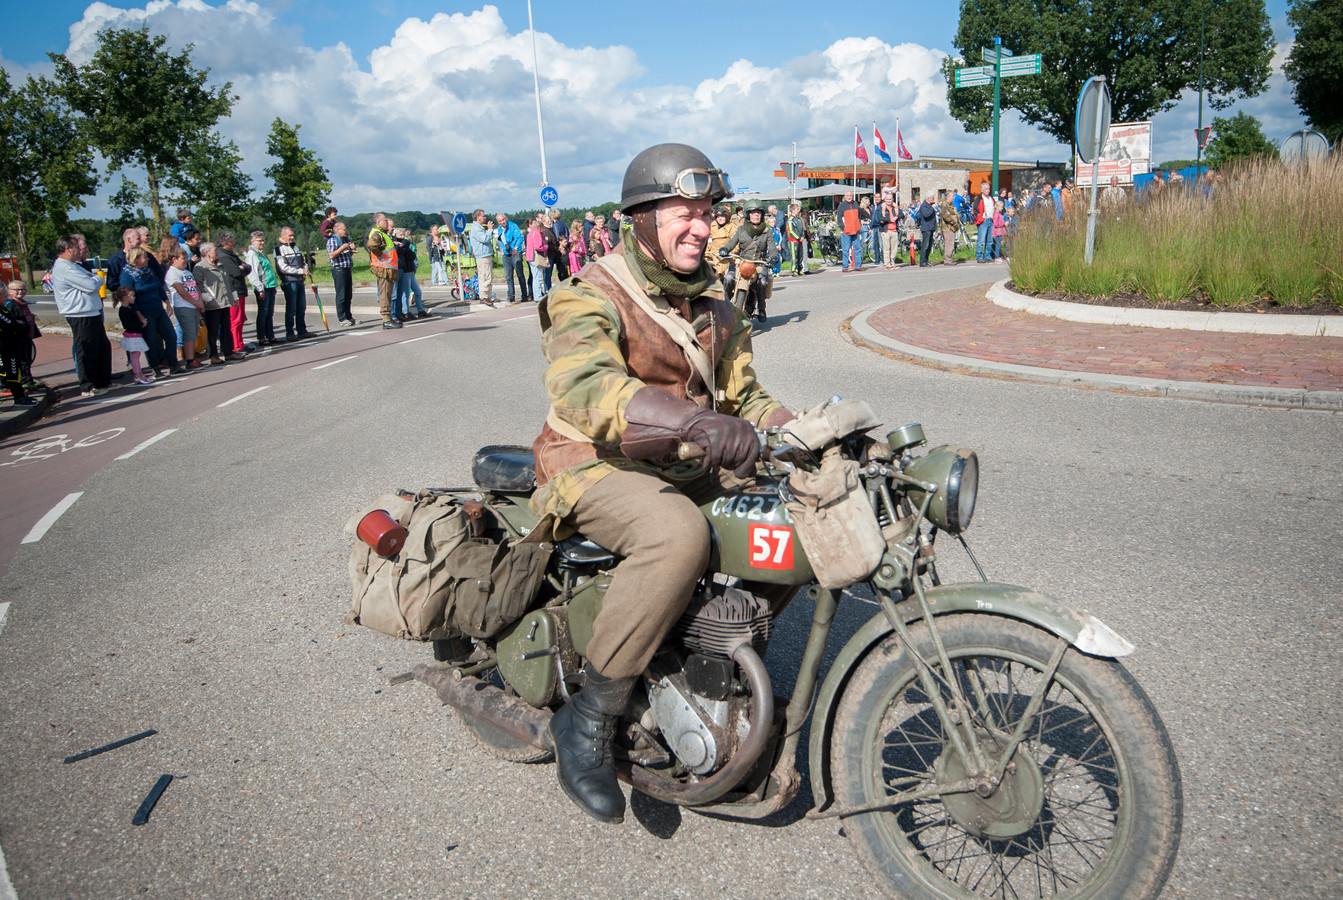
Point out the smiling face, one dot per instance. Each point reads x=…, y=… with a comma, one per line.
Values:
x=286, y=235
x=683, y=232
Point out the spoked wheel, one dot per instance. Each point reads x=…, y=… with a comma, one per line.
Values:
x=1089, y=806
x=498, y=743
x=456, y=294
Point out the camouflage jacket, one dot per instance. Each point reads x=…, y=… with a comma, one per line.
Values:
x=602, y=347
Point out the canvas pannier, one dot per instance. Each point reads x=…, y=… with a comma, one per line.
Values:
x=446, y=579
x=834, y=521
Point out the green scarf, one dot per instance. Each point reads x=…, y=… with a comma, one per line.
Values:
x=671, y=283
x=755, y=230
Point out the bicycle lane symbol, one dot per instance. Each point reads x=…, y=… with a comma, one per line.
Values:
x=56, y=444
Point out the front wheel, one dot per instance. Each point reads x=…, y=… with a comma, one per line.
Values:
x=1090, y=805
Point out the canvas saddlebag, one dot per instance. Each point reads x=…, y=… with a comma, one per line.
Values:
x=446, y=580
x=834, y=521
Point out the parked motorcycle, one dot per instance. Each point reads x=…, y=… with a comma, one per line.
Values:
x=976, y=739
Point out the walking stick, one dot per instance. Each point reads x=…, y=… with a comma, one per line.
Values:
x=320, y=308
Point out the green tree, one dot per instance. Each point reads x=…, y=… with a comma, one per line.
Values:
x=143, y=105
x=1237, y=138
x=301, y=184
x=45, y=165
x=1147, y=51
x=1315, y=66
x=211, y=182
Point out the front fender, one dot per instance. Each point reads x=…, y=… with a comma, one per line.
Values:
x=1083, y=630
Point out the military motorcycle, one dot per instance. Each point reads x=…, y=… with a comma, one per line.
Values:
x=747, y=284
x=976, y=739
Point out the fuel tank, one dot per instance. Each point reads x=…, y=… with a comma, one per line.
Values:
x=753, y=536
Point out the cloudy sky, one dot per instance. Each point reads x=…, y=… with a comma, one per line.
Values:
x=431, y=106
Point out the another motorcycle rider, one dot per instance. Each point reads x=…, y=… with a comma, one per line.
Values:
x=720, y=232
x=644, y=353
x=754, y=241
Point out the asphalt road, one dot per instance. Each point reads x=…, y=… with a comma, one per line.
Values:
x=197, y=588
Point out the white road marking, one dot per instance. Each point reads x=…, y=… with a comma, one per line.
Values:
x=421, y=338
x=4, y=611
x=44, y=524
x=7, y=891
x=335, y=363
x=121, y=398
x=142, y=445
x=241, y=396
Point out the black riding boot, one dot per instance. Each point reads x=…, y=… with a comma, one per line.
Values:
x=760, y=311
x=583, y=730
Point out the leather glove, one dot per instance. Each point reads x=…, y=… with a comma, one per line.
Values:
x=656, y=422
x=727, y=441
x=723, y=254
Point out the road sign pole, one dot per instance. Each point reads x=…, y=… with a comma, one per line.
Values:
x=1095, y=176
x=997, y=90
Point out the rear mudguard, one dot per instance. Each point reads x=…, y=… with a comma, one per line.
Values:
x=1083, y=630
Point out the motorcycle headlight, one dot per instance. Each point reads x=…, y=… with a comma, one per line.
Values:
x=955, y=471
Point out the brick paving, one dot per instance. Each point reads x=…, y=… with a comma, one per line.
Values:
x=963, y=323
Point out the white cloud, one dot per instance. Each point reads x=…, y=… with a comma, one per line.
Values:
x=443, y=116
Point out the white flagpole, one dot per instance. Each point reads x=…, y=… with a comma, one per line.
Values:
x=855, y=157
x=897, y=161
x=874, y=164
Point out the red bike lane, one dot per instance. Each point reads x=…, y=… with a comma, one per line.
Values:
x=43, y=467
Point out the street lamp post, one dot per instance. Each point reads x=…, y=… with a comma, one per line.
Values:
x=536, y=81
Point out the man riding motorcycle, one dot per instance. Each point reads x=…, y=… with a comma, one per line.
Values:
x=644, y=353
x=754, y=241
x=720, y=232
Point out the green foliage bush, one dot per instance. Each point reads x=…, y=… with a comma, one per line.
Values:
x=1269, y=230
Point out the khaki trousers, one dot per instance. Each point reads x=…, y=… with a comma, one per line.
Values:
x=665, y=541
x=664, y=538
x=948, y=245
x=385, y=298
x=485, y=279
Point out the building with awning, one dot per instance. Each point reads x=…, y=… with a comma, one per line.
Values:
x=939, y=175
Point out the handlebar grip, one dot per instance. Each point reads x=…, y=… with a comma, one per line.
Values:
x=686, y=451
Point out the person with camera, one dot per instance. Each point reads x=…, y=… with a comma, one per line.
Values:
x=293, y=269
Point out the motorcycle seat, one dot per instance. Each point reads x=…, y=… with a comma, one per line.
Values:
x=505, y=468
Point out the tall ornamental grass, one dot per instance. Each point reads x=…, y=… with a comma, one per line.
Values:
x=1269, y=231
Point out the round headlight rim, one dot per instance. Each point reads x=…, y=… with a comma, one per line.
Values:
x=955, y=481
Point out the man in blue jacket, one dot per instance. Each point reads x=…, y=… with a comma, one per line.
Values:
x=512, y=244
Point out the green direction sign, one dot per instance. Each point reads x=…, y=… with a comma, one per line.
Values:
x=1021, y=65
x=991, y=55
x=974, y=76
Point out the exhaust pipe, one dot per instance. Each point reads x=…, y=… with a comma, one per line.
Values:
x=489, y=704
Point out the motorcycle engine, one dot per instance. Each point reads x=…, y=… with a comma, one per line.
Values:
x=694, y=698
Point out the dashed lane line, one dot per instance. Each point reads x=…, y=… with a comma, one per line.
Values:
x=424, y=337
x=143, y=444
x=4, y=611
x=44, y=524
x=333, y=363
x=264, y=387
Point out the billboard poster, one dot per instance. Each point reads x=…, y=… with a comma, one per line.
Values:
x=1128, y=152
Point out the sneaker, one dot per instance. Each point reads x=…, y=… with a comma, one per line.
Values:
x=24, y=401
x=425, y=314
x=235, y=356
x=216, y=360
x=143, y=381
x=274, y=342
x=391, y=323
x=194, y=364
x=350, y=323
x=178, y=370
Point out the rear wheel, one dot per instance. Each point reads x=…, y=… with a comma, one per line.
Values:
x=1090, y=804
